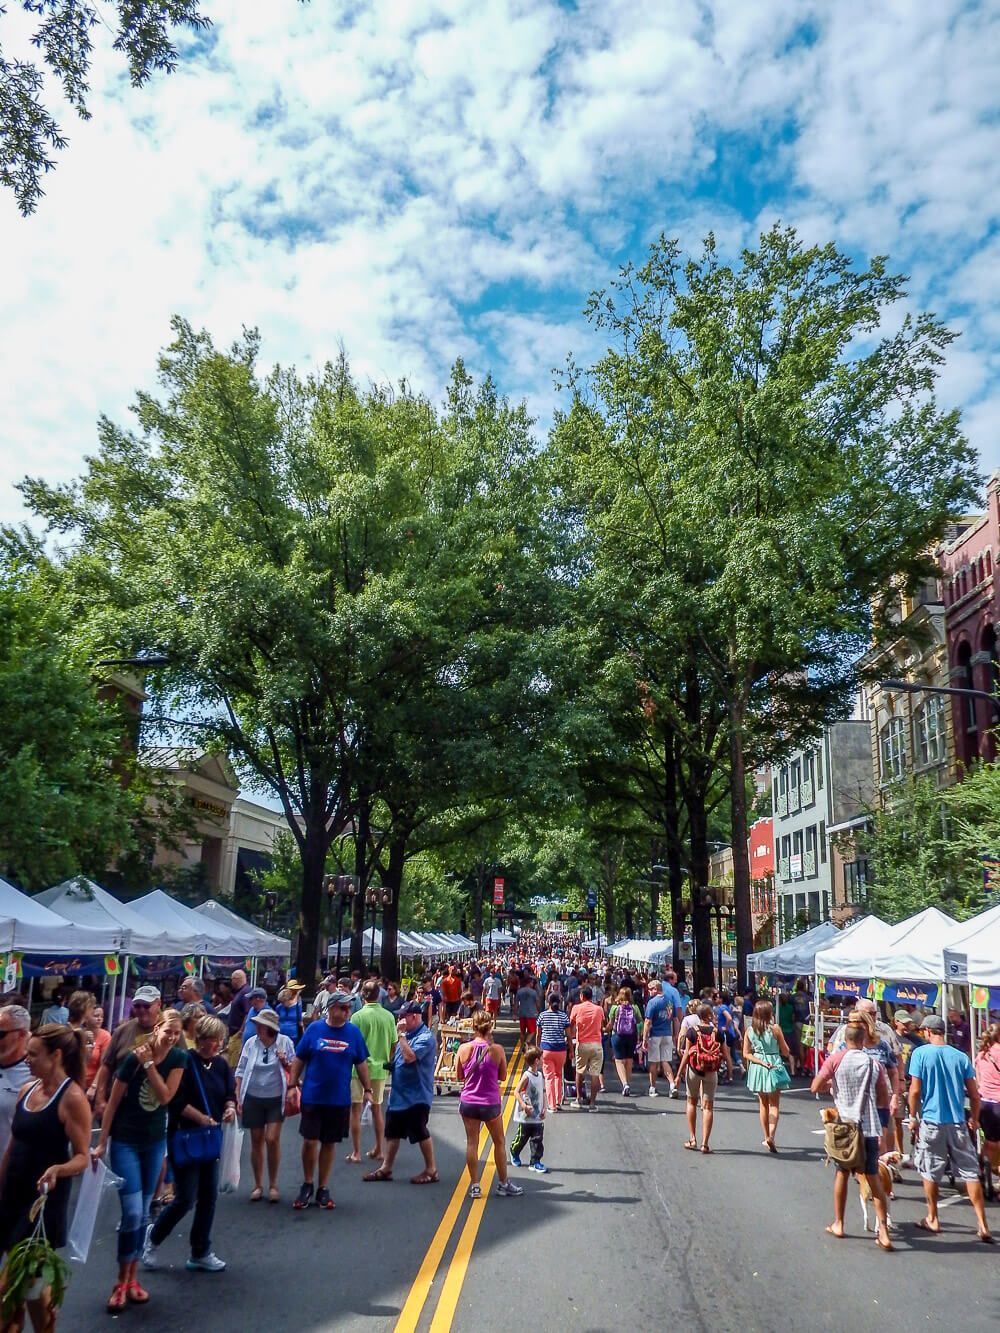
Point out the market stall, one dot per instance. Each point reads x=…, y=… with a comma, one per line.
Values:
x=265, y=944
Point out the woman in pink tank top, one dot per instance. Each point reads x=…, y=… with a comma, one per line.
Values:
x=481, y=1064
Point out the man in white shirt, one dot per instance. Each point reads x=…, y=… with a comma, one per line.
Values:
x=15, y=1029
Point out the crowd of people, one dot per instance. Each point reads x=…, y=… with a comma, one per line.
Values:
x=153, y=1096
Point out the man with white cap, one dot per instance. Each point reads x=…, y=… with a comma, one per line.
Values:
x=325, y=1058
x=135, y=1031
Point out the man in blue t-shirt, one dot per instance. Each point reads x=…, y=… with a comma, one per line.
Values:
x=411, y=1095
x=663, y=1020
x=941, y=1078
x=327, y=1054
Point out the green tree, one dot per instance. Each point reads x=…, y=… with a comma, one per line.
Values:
x=764, y=461
x=65, y=804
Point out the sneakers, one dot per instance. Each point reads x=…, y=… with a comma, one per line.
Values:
x=626, y=1091
x=508, y=1188
x=208, y=1263
x=575, y=1105
x=593, y=1109
x=323, y=1199
x=674, y=1092
x=537, y=1166
x=150, y=1258
x=515, y=1161
x=653, y=1092
x=304, y=1197
x=475, y=1191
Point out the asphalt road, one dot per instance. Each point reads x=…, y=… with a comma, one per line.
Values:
x=627, y=1231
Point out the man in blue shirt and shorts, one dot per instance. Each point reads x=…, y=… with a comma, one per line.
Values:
x=411, y=1095
x=327, y=1054
x=941, y=1078
x=663, y=1020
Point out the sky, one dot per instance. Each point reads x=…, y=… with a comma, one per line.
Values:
x=419, y=180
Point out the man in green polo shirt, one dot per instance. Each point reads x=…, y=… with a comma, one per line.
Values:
x=378, y=1027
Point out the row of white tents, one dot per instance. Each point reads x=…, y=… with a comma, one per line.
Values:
x=651, y=953
x=929, y=948
x=415, y=944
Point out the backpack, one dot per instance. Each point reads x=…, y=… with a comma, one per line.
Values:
x=625, y=1021
x=707, y=1054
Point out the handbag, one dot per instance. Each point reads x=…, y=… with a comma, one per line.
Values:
x=201, y=1143
x=843, y=1139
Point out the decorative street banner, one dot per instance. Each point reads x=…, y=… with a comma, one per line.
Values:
x=923, y=993
x=112, y=965
x=189, y=967
x=498, y=888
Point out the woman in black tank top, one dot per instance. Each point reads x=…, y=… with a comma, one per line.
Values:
x=49, y=1143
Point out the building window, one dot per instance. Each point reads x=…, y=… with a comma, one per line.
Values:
x=856, y=883
x=892, y=748
x=819, y=770
x=822, y=842
x=810, y=866
x=930, y=730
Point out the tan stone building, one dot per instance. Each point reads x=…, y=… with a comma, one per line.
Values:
x=209, y=788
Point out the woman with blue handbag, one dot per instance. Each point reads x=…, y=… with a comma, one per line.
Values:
x=205, y=1100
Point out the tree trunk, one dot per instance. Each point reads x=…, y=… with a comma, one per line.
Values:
x=629, y=920
x=654, y=890
x=477, y=904
x=741, y=860
x=360, y=908
x=701, y=926
x=393, y=881
x=675, y=872
x=313, y=866
x=608, y=895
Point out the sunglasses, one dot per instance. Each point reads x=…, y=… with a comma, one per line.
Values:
x=141, y=1005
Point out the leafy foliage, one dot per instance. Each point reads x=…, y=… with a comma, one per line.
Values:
x=28, y=132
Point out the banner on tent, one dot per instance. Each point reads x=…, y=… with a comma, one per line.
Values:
x=857, y=988
x=924, y=993
x=38, y=965
x=156, y=969
x=986, y=997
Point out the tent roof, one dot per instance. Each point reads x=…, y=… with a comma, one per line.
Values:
x=851, y=954
x=913, y=949
x=199, y=933
x=89, y=906
x=795, y=956
x=268, y=945
x=31, y=926
x=972, y=951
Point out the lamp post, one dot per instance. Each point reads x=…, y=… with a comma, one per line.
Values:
x=375, y=897
x=344, y=888
x=913, y=687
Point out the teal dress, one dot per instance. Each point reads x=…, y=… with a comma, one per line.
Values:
x=759, y=1078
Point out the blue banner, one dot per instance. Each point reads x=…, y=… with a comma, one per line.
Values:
x=38, y=965
x=907, y=992
x=854, y=987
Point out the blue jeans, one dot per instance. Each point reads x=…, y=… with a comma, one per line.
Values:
x=138, y=1164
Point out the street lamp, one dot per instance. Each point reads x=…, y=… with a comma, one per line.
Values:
x=912, y=687
x=344, y=888
x=375, y=897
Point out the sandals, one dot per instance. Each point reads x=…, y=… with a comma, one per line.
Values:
x=691, y=1145
x=425, y=1178
x=375, y=1156
x=136, y=1294
x=379, y=1174
x=118, y=1299
x=257, y=1193
x=273, y=1196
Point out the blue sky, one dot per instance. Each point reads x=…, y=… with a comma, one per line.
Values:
x=426, y=180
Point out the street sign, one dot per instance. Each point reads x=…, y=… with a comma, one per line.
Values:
x=517, y=914
x=730, y=936
x=575, y=916
x=498, y=886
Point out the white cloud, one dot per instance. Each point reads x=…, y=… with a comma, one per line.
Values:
x=451, y=178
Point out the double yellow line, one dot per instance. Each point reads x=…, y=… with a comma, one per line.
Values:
x=448, y=1302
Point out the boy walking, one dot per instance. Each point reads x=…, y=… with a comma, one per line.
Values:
x=529, y=1113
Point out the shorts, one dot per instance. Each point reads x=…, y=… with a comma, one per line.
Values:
x=358, y=1092
x=623, y=1045
x=261, y=1111
x=408, y=1122
x=529, y=1026
x=589, y=1058
x=989, y=1120
x=493, y=1007
x=451, y=1008
x=470, y=1111
x=661, y=1050
x=870, y=1167
x=701, y=1085
x=327, y=1124
x=945, y=1149
x=883, y=1116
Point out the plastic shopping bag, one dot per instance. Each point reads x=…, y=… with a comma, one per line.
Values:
x=366, y=1114
x=95, y=1180
x=229, y=1163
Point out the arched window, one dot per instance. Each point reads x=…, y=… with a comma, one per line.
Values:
x=892, y=749
x=930, y=731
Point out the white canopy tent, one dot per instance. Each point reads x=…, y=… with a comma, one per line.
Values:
x=598, y=942
x=92, y=908
x=201, y=935
x=652, y=953
x=913, y=951
x=796, y=956
x=266, y=944
x=30, y=925
x=850, y=955
x=498, y=936
x=971, y=955
x=407, y=945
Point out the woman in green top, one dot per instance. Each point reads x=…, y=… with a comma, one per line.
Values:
x=136, y=1122
x=764, y=1053
x=624, y=1023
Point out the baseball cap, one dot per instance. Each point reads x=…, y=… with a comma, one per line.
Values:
x=903, y=1016
x=341, y=997
x=934, y=1023
x=258, y=993
x=411, y=1007
x=146, y=995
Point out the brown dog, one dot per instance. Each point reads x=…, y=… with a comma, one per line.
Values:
x=885, y=1174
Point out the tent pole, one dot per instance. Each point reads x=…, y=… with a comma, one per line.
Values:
x=109, y=1008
